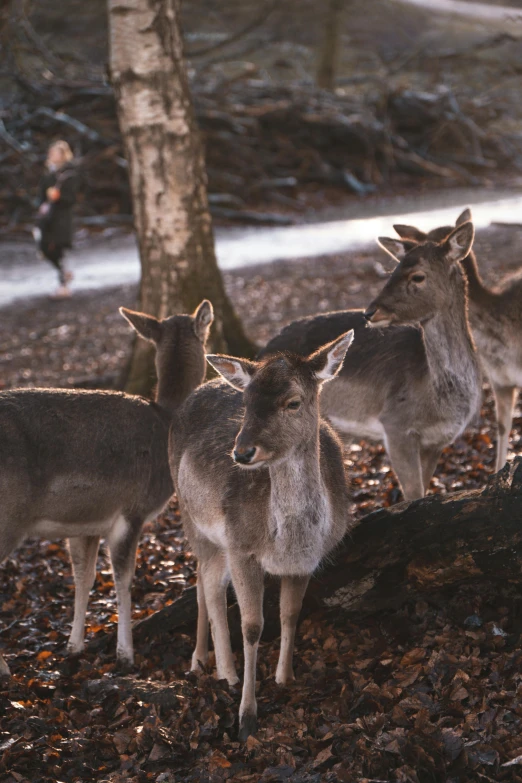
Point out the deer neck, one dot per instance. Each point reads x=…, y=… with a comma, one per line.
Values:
x=296, y=489
x=478, y=293
x=450, y=350
x=178, y=376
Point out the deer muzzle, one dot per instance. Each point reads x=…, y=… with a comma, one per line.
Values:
x=375, y=314
x=244, y=456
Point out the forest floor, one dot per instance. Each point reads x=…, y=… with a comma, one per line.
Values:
x=430, y=692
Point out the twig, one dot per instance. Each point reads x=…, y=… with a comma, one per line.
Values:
x=79, y=127
x=11, y=141
x=37, y=42
x=263, y=16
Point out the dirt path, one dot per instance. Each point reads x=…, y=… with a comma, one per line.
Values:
x=104, y=264
x=476, y=11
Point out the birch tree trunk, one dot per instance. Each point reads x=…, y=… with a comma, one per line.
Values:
x=167, y=176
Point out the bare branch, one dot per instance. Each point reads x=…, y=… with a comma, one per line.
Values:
x=257, y=22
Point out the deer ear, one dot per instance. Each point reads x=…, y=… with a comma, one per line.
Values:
x=147, y=326
x=203, y=316
x=458, y=245
x=328, y=360
x=237, y=372
x=410, y=232
x=464, y=217
x=395, y=248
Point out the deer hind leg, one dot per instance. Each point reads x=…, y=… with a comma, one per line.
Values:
x=404, y=452
x=505, y=400
x=83, y=552
x=200, y=654
x=214, y=578
x=248, y=581
x=123, y=543
x=9, y=540
x=293, y=589
x=429, y=457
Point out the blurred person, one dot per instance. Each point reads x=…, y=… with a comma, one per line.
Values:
x=53, y=232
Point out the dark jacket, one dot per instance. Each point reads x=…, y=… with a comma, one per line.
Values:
x=56, y=225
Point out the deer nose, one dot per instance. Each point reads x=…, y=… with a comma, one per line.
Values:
x=370, y=312
x=244, y=456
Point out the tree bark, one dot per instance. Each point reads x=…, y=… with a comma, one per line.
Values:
x=167, y=176
x=394, y=556
x=329, y=50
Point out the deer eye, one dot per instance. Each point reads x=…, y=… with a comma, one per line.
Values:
x=293, y=405
x=418, y=278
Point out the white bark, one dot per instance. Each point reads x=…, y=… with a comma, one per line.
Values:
x=167, y=172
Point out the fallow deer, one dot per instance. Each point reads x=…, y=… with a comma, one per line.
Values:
x=85, y=464
x=495, y=316
x=261, y=486
x=415, y=387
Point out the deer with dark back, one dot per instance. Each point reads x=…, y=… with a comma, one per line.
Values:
x=495, y=316
x=261, y=486
x=414, y=384
x=85, y=464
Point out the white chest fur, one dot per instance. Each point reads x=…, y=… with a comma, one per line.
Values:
x=299, y=530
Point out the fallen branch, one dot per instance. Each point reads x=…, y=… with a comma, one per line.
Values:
x=412, y=551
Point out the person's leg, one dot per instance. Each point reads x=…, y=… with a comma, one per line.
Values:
x=58, y=263
x=54, y=254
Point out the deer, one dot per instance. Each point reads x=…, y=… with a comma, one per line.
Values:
x=83, y=464
x=495, y=316
x=412, y=379
x=260, y=481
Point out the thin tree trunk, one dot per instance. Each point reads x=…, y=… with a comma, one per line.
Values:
x=329, y=51
x=167, y=176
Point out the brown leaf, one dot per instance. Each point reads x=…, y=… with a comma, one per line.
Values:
x=413, y=656
x=252, y=743
x=453, y=743
x=122, y=740
x=408, y=675
x=323, y=757
x=218, y=761
x=459, y=694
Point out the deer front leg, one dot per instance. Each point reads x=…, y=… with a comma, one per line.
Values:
x=12, y=533
x=83, y=552
x=248, y=581
x=213, y=573
x=505, y=400
x=429, y=458
x=404, y=452
x=123, y=543
x=293, y=589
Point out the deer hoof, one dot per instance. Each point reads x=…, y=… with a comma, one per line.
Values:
x=75, y=649
x=247, y=726
x=284, y=678
x=125, y=658
x=198, y=663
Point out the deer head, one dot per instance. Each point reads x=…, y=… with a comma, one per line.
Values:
x=425, y=274
x=281, y=399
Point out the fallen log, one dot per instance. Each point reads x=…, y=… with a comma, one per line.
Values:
x=409, y=552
